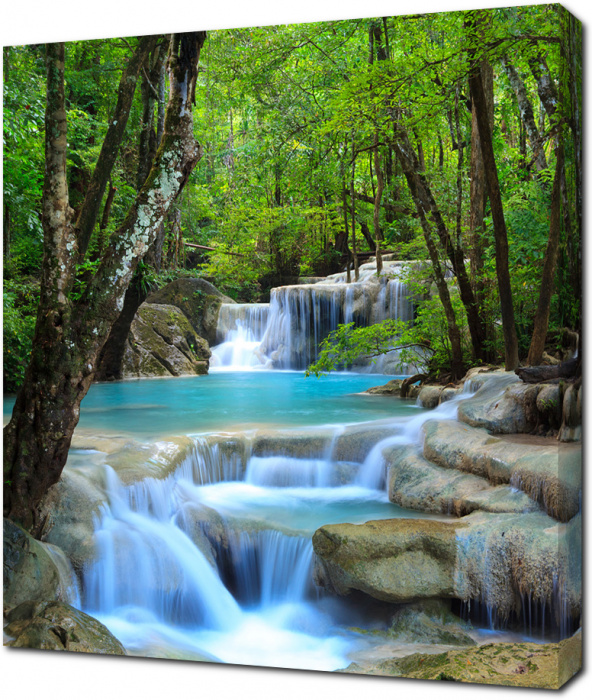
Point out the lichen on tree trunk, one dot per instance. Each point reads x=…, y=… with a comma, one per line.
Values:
x=71, y=330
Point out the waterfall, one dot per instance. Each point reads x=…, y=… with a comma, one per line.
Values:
x=373, y=471
x=145, y=561
x=281, y=471
x=269, y=568
x=240, y=330
x=287, y=333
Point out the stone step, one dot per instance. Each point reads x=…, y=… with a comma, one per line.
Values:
x=550, y=473
x=415, y=482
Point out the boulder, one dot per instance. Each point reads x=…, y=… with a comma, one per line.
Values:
x=392, y=388
x=60, y=627
x=505, y=404
x=429, y=396
x=414, y=482
x=29, y=571
x=429, y=622
x=68, y=511
x=395, y=561
x=198, y=299
x=548, y=472
x=162, y=343
x=571, y=425
x=495, y=558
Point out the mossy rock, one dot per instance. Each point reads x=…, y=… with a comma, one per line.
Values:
x=163, y=343
x=29, y=572
x=60, y=627
x=525, y=664
x=198, y=300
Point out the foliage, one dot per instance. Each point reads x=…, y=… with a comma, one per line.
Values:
x=289, y=118
x=19, y=309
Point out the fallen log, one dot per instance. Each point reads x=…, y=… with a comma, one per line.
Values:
x=542, y=373
x=406, y=385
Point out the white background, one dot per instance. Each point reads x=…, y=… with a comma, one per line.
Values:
x=32, y=674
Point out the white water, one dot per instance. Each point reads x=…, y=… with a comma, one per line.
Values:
x=216, y=559
x=286, y=333
x=372, y=473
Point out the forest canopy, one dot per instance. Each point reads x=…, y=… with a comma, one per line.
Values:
x=255, y=157
x=301, y=127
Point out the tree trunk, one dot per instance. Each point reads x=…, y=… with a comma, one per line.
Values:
x=499, y=223
x=352, y=194
x=110, y=148
x=70, y=333
x=410, y=163
x=414, y=183
x=527, y=114
x=541, y=319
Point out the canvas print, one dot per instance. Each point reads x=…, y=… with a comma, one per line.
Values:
x=292, y=356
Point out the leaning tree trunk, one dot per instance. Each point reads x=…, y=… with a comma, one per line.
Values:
x=410, y=162
x=499, y=222
x=70, y=333
x=414, y=183
x=541, y=319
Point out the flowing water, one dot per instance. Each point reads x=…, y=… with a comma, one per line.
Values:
x=215, y=560
x=287, y=332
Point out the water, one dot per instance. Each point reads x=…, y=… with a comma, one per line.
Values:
x=215, y=561
x=287, y=332
x=246, y=594
x=225, y=400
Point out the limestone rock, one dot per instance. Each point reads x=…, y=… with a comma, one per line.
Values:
x=162, y=343
x=68, y=510
x=505, y=404
x=429, y=396
x=29, y=572
x=60, y=627
x=392, y=388
x=198, y=299
x=550, y=473
x=392, y=560
x=491, y=557
x=429, y=622
x=414, y=482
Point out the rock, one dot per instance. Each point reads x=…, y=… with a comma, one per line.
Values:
x=429, y=622
x=352, y=445
x=571, y=426
x=495, y=558
x=29, y=573
x=58, y=626
x=549, y=473
x=162, y=343
x=392, y=560
x=429, y=396
x=198, y=299
x=392, y=388
x=414, y=482
x=68, y=510
x=523, y=664
x=505, y=404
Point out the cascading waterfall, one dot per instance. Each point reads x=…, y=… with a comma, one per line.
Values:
x=215, y=558
x=166, y=572
x=287, y=333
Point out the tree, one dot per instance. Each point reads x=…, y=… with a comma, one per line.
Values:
x=497, y=212
x=79, y=304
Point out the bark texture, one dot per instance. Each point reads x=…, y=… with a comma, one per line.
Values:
x=541, y=319
x=71, y=332
x=499, y=223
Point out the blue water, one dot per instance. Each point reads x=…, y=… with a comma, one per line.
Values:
x=232, y=400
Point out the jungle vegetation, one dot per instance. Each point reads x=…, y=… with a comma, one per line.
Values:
x=256, y=156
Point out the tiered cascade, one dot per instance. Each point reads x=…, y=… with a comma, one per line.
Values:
x=287, y=333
